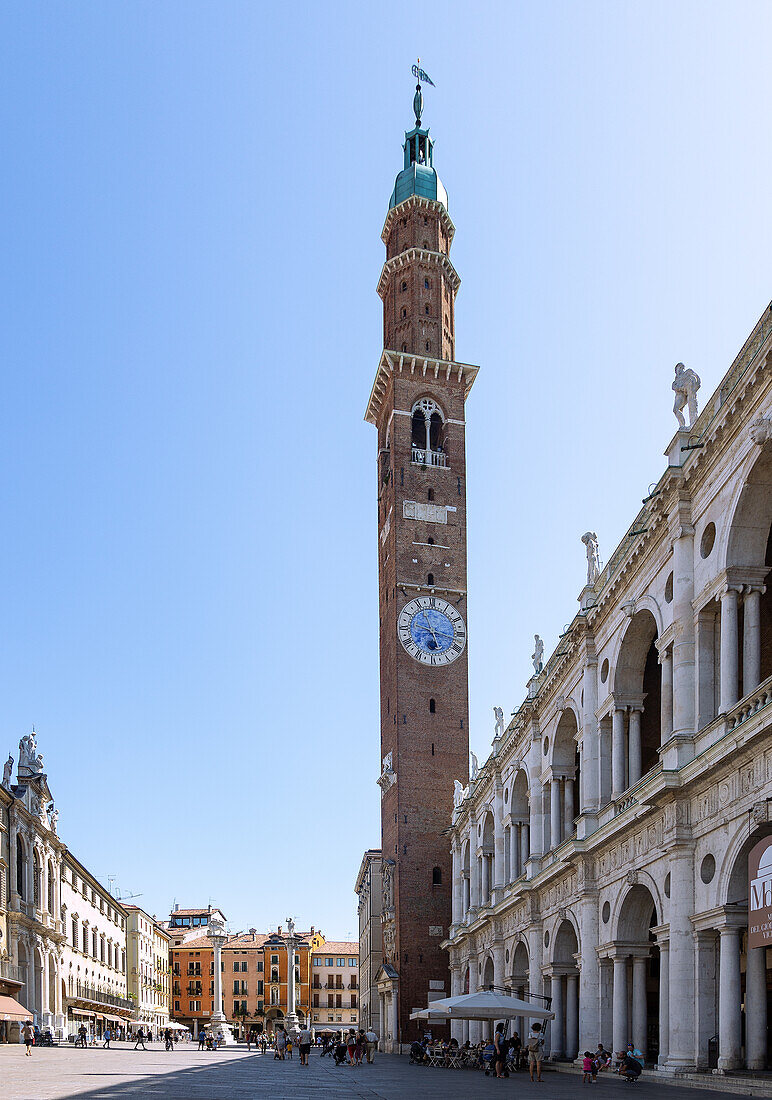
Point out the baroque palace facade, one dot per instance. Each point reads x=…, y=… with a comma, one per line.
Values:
x=63, y=949
x=600, y=855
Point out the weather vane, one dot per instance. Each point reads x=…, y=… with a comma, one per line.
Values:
x=418, y=99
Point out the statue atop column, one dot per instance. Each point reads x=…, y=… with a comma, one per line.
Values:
x=498, y=730
x=458, y=793
x=475, y=767
x=7, y=769
x=538, y=654
x=685, y=385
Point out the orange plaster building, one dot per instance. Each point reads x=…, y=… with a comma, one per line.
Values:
x=192, y=996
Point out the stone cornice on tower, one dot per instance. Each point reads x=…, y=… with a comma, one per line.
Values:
x=395, y=362
x=418, y=202
x=419, y=255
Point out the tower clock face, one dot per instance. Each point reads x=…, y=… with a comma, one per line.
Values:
x=431, y=630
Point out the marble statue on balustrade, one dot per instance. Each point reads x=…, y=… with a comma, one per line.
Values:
x=685, y=386
x=54, y=819
x=458, y=793
x=590, y=540
x=7, y=769
x=538, y=654
x=475, y=767
x=30, y=760
x=498, y=729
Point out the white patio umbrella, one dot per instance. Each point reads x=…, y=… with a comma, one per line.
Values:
x=487, y=1005
x=431, y=1014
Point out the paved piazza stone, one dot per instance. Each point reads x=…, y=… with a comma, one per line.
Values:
x=125, y=1074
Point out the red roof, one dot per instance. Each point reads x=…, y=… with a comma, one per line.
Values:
x=337, y=947
x=246, y=939
x=187, y=945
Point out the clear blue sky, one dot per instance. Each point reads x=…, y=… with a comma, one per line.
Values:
x=192, y=201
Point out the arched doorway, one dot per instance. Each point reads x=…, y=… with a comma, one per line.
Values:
x=518, y=843
x=744, y=975
x=635, y=1010
x=564, y=991
x=564, y=780
x=745, y=616
x=637, y=720
x=520, y=983
x=486, y=860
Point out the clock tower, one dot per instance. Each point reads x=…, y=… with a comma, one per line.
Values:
x=417, y=405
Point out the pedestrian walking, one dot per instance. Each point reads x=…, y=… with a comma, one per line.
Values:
x=351, y=1046
x=535, y=1047
x=169, y=1039
x=372, y=1044
x=82, y=1036
x=106, y=1038
x=28, y=1034
x=201, y=1039
x=304, y=1042
x=140, y=1037
x=281, y=1044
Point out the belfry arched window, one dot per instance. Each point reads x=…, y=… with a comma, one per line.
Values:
x=20, y=858
x=428, y=433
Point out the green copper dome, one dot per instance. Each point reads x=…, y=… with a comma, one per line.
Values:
x=418, y=177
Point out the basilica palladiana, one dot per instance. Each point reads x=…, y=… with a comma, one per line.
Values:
x=600, y=854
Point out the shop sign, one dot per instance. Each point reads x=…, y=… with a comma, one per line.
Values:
x=760, y=894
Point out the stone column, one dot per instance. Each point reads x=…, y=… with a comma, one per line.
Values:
x=474, y=865
x=394, y=1019
x=514, y=852
x=456, y=1029
x=589, y=973
x=729, y=1000
x=605, y=739
x=555, y=829
x=664, y=1002
x=217, y=1023
x=618, y=753
x=474, y=1025
x=683, y=620
x=498, y=963
x=705, y=679
x=634, y=746
x=752, y=640
x=558, y=1024
x=590, y=794
x=535, y=817
x=681, y=962
x=569, y=810
x=619, y=1011
x=525, y=849
x=666, y=697
x=756, y=1009
x=498, y=842
x=728, y=649
x=572, y=1016
x=508, y=876
x=457, y=901
x=639, y=1003
x=486, y=881
x=465, y=908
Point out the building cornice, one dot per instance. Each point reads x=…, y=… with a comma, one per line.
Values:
x=418, y=255
x=402, y=363
x=421, y=203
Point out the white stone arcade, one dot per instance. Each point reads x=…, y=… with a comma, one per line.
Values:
x=600, y=854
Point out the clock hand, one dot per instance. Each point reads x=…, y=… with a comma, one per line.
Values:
x=431, y=628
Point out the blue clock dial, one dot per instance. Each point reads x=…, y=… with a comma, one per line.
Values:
x=431, y=630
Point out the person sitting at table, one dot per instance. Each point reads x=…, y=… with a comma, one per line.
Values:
x=516, y=1049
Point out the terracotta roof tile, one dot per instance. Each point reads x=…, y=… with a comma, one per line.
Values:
x=339, y=947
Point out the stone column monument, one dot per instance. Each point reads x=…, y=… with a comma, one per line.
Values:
x=218, y=1025
x=291, y=1018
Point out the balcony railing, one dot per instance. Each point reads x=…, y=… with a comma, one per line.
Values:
x=11, y=971
x=81, y=992
x=423, y=457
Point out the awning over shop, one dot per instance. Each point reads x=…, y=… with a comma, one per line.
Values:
x=10, y=1009
x=81, y=1012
